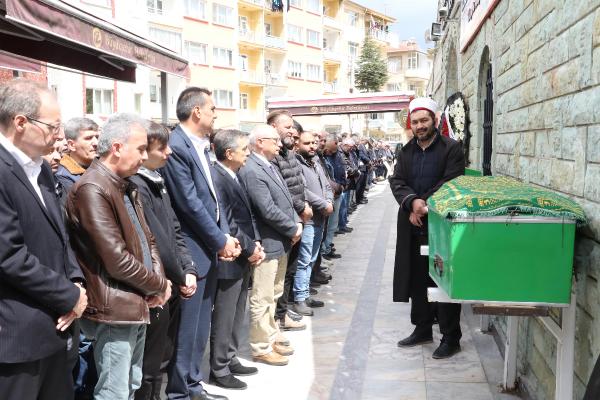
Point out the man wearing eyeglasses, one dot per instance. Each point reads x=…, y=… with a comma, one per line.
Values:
x=41, y=288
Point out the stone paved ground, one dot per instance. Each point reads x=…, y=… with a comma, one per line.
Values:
x=348, y=350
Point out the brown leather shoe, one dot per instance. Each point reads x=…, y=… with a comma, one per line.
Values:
x=272, y=358
x=283, y=350
x=288, y=324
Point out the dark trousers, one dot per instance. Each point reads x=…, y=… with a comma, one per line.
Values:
x=184, y=371
x=47, y=379
x=287, y=296
x=592, y=392
x=227, y=323
x=361, y=185
x=422, y=312
x=158, y=344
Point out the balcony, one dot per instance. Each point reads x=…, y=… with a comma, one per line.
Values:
x=333, y=23
x=330, y=87
x=251, y=37
x=275, y=79
x=275, y=42
x=332, y=55
x=253, y=78
x=420, y=73
x=254, y=4
x=380, y=35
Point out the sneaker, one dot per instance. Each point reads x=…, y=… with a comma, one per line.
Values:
x=288, y=324
x=227, y=382
x=312, y=303
x=272, y=358
x=302, y=308
x=283, y=350
x=446, y=350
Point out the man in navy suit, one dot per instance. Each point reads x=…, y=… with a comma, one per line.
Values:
x=189, y=179
x=231, y=150
x=41, y=290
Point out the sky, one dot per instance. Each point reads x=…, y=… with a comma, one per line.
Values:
x=413, y=17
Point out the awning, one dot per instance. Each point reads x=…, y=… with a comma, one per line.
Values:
x=12, y=61
x=57, y=32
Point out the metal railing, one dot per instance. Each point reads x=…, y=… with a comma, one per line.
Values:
x=330, y=87
x=379, y=35
x=275, y=41
x=250, y=36
x=332, y=54
x=252, y=77
x=332, y=23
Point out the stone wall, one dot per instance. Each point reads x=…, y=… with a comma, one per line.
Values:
x=545, y=58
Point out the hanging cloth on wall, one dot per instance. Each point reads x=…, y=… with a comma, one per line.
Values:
x=277, y=5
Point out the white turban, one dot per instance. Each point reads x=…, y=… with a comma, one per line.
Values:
x=423, y=103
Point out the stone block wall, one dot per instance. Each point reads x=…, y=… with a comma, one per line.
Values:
x=545, y=58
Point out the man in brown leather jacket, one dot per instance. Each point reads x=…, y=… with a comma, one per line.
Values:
x=118, y=256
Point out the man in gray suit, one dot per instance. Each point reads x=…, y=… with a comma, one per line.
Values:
x=279, y=227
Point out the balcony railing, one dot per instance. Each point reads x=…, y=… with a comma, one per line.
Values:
x=331, y=22
x=259, y=3
x=252, y=77
x=420, y=73
x=379, y=35
x=330, y=87
x=332, y=54
x=275, y=79
x=250, y=36
x=155, y=10
x=275, y=41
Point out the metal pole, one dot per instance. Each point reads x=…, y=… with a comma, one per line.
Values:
x=565, y=353
x=164, y=105
x=510, y=354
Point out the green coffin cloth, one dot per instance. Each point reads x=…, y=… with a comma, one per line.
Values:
x=474, y=196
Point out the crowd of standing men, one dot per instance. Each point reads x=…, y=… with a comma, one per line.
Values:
x=132, y=247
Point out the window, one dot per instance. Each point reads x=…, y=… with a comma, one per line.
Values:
x=393, y=87
x=268, y=29
x=295, y=69
x=313, y=72
x=98, y=101
x=168, y=39
x=243, y=24
x=353, y=50
x=296, y=3
x=313, y=38
x=195, y=8
x=352, y=18
x=222, y=57
x=155, y=6
x=243, y=62
x=413, y=60
x=222, y=15
x=154, y=98
x=195, y=52
x=223, y=98
x=394, y=65
x=314, y=6
x=295, y=33
x=243, y=101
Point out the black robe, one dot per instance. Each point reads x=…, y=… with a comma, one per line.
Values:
x=451, y=163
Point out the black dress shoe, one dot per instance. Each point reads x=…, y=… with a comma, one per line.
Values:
x=339, y=233
x=332, y=256
x=319, y=279
x=240, y=370
x=313, y=291
x=302, y=308
x=314, y=284
x=312, y=303
x=227, y=382
x=294, y=315
x=204, y=395
x=347, y=229
x=363, y=201
x=325, y=276
x=446, y=350
x=416, y=339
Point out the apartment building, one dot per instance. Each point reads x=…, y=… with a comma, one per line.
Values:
x=245, y=51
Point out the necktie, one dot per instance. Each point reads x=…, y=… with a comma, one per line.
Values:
x=274, y=172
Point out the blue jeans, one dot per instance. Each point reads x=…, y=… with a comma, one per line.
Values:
x=344, y=204
x=118, y=353
x=332, y=225
x=310, y=244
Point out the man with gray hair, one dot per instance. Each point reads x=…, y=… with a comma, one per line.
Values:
x=81, y=135
x=118, y=255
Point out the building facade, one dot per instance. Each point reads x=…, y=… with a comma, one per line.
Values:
x=530, y=71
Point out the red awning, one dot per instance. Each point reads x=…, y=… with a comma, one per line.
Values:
x=57, y=32
x=12, y=61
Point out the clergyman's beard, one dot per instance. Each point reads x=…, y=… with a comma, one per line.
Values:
x=428, y=136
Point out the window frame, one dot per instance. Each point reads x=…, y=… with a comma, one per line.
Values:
x=317, y=43
x=187, y=8
x=217, y=98
x=295, y=72
x=300, y=32
x=186, y=51
x=228, y=20
x=228, y=53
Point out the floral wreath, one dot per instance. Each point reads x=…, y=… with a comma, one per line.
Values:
x=455, y=121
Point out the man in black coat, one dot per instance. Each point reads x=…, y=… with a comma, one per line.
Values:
x=424, y=164
x=41, y=291
x=174, y=255
x=231, y=150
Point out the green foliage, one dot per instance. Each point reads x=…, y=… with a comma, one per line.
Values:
x=372, y=72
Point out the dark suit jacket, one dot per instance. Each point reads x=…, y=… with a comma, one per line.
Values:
x=272, y=205
x=35, y=267
x=194, y=203
x=242, y=225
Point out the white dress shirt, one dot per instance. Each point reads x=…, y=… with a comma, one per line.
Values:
x=32, y=168
x=200, y=144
